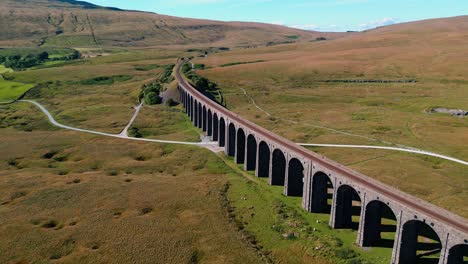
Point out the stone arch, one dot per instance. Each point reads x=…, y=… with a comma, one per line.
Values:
x=200, y=116
x=209, y=128
x=231, y=150
x=295, y=178
x=204, y=118
x=222, y=132
x=419, y=243
x=458, y=254
x=264, y=155
x=347, y=208
x=278, y=168
x=378, y=218
x=322, y=193
x=240, y=146
x=251, y=159
x=215, y=127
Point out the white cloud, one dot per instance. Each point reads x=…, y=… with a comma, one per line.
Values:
x=307, y=27
x=378, y=23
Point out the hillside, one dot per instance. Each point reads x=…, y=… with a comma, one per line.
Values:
x=290, y=83
x=431, y=48
x=76, y=23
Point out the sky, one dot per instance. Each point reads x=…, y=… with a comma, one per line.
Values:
x=320, y=15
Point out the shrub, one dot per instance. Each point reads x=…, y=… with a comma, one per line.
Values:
x=135, y=132
x=345, y=253
x=170, y=102
x=152, y=98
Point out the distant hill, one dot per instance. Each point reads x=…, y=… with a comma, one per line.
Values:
x=78, y=23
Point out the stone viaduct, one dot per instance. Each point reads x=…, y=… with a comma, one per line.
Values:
x=353, y=200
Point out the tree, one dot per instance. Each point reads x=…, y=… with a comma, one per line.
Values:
x=43, y=56
x=152, y=98
x=201, y=83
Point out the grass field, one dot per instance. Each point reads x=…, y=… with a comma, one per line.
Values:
x=3, y=69
x=163, y=122
x=12, y=90
x=77, y=198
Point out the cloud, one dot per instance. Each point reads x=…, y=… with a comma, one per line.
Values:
x=342, y=28
x=378, y=23
x=307, y=27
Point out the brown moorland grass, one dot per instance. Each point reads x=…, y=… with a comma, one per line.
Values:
x=290, y=85
x=78, y=198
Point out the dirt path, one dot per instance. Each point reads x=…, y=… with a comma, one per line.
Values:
x=124, y=132
x=208, y=145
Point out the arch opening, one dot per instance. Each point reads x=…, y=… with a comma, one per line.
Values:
x=348, y=208
x=278, y=168
x=209, y=128
x=240, y=142
x=419, y=243
x=295, y=178
x=215, y=127
x=204, y=118
x=222, y=132
x=191, y=109
x=263, y=165
x=322, y=193
x=231, y=151
x=251, y=153
x=458, y=254
x=195, y=106
x=200, y=115
x=379, y=225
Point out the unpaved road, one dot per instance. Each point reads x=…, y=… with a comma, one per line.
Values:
x=208, y=145
x=124, y=132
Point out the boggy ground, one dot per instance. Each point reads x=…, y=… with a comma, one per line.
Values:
x=289, y=82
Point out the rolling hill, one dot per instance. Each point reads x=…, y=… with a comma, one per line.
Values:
x=77, y=23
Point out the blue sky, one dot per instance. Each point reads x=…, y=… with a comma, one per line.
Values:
x=330, y=15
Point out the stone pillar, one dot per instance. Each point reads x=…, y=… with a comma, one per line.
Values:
x=286, y=174
x=368, y=226
x=333, y=208
x=307, y=201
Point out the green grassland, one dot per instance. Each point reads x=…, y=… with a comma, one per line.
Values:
x=12, y=90
x=163, y=122
x=97, y=93
x=265, y=213
x=3, y=69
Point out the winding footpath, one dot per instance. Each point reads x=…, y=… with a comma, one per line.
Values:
x=124, y=132
x=206, y=143
x=57, y=124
